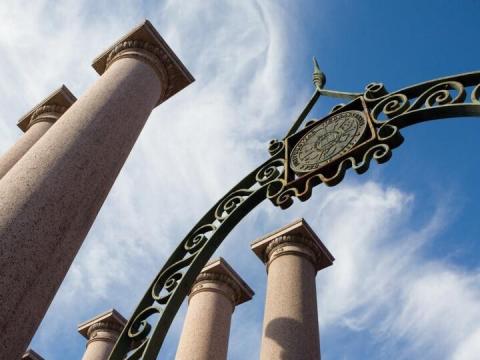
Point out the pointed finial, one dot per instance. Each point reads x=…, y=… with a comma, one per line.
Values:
x=319, y=78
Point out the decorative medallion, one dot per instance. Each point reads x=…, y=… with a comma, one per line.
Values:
x=327, y=141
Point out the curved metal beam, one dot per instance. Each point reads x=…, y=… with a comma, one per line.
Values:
x=141, y=339
x=447, y=97
x=437, y=113
x=385, y=113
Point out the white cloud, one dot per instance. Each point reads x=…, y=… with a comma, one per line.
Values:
x=469, y=348
x=439, y=303
x=384, y=285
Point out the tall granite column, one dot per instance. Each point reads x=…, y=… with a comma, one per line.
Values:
x=293, y=255
x=35, y=124
x=52, y=195
x=101, y=332
x=214, y=295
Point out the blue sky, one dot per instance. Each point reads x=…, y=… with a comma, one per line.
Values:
x=406, y=280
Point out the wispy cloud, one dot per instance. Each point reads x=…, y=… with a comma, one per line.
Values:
x=385, y=285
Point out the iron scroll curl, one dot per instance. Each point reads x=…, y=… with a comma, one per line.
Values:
x=452, y=96
x=140, y=339
x=386, y=113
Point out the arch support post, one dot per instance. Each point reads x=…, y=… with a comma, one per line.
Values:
x=101, y=333
x=213, y=298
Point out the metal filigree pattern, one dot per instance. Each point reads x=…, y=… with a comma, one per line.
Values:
x=387, y=113
x=323, y=151
x=148, y=326
x=350, y=136
x=436, y=99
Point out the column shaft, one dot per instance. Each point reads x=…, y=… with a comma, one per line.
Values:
x=101, y=346
x=293, y=255
x=51, y=197
x=35, y=132
x=290, y=325
x=101, y=332
x=102, y=337
x=214, y=295
x=207, y=325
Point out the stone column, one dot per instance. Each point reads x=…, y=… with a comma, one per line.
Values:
x=52, y=195
x=31, y=355
x=293, y=255
x=214, y=295
x=101, y=332
x=35, y=124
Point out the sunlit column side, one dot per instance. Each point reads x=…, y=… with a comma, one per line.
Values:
x=293, y=255
x=101, y=332
x=35, y=124
x=214, y=295
x=31, y=355
x=52, y=195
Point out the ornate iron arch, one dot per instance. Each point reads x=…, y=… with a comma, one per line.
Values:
x=350, y=136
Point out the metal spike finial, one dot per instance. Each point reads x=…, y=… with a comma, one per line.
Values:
x=319, y=78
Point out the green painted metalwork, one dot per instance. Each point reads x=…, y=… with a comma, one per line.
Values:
x=349, y=137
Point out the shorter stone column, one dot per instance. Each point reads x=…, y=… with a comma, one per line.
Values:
x=293, y=255
x=214, y=295
x=31, y=355
x=35, y=124
x=101, y=332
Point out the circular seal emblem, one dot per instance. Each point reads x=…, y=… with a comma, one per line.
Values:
x=327, y=141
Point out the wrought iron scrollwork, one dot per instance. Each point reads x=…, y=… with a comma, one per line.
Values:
x=385, y=113
x=143, y=335
x=436, y=99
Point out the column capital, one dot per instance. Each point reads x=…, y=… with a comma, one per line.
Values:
x=49, y=109
x=145, y=44
x=220, y=272
x=107, y=321
x=31, y=355
x=296, y=238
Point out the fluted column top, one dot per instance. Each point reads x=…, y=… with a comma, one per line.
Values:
x=295, y=238
x=145, y=44
x=31, y=355
x=109, y=320
x=219, y=271
x=49, y=109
